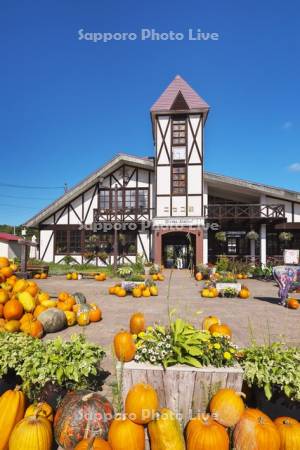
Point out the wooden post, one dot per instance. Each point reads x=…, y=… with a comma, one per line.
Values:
x=115, y=230
x=23, y=257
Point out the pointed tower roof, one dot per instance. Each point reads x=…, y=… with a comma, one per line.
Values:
x=179, y=96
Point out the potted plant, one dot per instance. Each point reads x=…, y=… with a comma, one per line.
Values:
x=252, y=235
x=221, y=236
x=285, y=236
x=273, y=371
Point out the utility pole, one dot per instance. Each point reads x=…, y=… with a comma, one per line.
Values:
x=115, y=229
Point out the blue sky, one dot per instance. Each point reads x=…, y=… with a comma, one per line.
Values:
x=68, y=105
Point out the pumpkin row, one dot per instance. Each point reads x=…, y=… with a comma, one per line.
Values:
x=86, y=420
x=140, y=290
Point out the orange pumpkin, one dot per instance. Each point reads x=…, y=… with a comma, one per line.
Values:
x=222, y=329
x=121, y=292
x=44, y=276
x=33, y=328
x=37, y=276
x=244, y=293
x=95, y=313
x=124, y=346
x=293, y=303
x=38, y=310
x=64, y=306
x=125, y=434
x=141, y=403
x=93, y=444
x=6, y=272
x=256, y=430
x=209, y=321
x=1, y=310
x=289, y=431
x=199, y=276
x=32, y=289
x=204, y=433
x=112, y=290
x=26, y=317
x=137, y=323
x=62, y=296
x=13, y=310
x=4, y=262
x=227, y=407
x=4, y=296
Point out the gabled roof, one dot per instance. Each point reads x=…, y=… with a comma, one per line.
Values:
x=179, y=87
x=88, y=182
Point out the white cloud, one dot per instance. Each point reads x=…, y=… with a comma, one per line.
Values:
x=294, y=167
x=287, y=125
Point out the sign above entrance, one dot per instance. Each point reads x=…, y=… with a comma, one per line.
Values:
x=179, y=222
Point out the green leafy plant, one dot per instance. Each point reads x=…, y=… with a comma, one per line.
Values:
x=125, y=271
x=229, y=292
x=73, y=364
x=182, y=343
x=285, y=236
x=222, y=264
x=252, y=235
x=274, y=366
x=221, y=236
x=154, y=269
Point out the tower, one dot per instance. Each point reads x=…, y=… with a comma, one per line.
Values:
x=178, y=119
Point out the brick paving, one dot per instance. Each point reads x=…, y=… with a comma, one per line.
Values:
x=260, y=316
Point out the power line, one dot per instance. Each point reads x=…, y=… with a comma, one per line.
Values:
x=31, y=187
x=25, y=198
x=17, y=206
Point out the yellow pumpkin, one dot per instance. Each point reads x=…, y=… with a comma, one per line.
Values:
x=223, y=330
x=227, y=407
x=146, y=292
x=141, y=403
x=20, y=286
x=136, y=292
x=41, y=410
x=71, y=318
x=27, y=301
x=69, y=276
x=48, y=303
x=154, y=277
x=154, y=291
x=209, y=321
x=74, y=276
x=125, y=435
x=12, y=326
x=32, y=433
x=205, y=292
x=42, y=296
x=12, y=409
x=121, y=292
x=83, y=318
x=165, y=431
x=160, y=277
x=4, y=296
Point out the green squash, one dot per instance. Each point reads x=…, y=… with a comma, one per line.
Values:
x=80, y=299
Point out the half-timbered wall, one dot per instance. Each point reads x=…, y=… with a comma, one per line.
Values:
x=84, y=210
x=292, y=209
x=168, y=157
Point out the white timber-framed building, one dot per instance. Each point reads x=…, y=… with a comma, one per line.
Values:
x=163, y=206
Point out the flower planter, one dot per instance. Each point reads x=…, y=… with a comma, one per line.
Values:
x=222, y=286
x=184, y=389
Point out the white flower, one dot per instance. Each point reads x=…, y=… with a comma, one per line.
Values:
x=137, y=357
x=144, y=350
x=152, y=359
x=168, y=345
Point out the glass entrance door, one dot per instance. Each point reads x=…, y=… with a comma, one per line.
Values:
x=176, y=255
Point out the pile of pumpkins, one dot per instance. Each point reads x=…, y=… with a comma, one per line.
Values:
x=75, y=276
x=158, y=277
x=140, y=290
x=85, y=420
x=210, y=292
x=72, y=276
x=24, y=307
x=40, y=276
x=213, y=325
